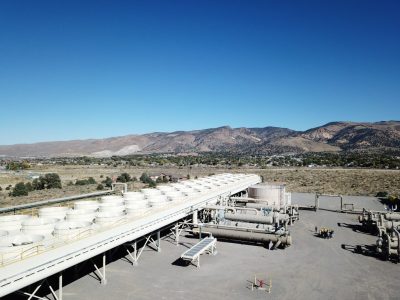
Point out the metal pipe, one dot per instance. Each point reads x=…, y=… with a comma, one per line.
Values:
x=285, y=240
x=52, y=201
x=269, y=219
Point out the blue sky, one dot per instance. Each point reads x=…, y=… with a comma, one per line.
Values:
x=82, y=69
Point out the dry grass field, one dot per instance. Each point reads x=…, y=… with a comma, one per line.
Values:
x=333, y=181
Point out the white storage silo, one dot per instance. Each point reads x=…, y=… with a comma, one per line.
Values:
x=12, y=223
x=112, y=199
x=274, y=193
x=19, y=246
x=70, y=230
x=91, y=205
x=105, y=219
x=39, y=226
x=57, y=212
x=81, y=215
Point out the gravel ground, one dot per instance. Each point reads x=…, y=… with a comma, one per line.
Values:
x=312, y=268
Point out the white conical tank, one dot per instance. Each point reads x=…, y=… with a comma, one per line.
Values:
x=81, y=215
x=58, y=212
x=39, y=226
x=12, y=223
x=71, y=230
x=91, y=205
x=16, y=247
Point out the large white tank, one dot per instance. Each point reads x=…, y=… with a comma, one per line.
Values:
x=158, y=200
x=176, y=195
x=39, y=226
x=19, y=246
x=150, y=192
x=137, y=203
x=70, y=230
x=81, y=215
x=165, y=188
x=134, y=211
x=104, y=219
x=133, y=196
x=274, y=193
x=112, y=207
x=112, y=199
x=58, y=212
x=91, y=205
x=12, y=223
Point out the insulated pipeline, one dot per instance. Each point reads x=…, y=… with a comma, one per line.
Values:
x=246, y=236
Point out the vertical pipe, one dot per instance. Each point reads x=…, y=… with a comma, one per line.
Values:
x=158, y=241
x=195, y=219
x=104, y=280
x=341, y=202
x=60, y=286
x=177, y=234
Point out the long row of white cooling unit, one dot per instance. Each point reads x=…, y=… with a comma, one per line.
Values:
x=24, y=236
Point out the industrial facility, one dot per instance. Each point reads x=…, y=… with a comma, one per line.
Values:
x=40, y=242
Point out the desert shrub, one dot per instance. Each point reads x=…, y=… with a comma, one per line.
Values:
x=381, y=194
x=108, y=182
x=19, y=190
x=124, y=177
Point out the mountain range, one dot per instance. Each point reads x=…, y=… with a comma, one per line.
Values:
x=331, y=137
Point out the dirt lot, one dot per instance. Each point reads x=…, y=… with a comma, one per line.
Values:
x=310, y=180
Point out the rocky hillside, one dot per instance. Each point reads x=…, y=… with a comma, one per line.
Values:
x=335, y=136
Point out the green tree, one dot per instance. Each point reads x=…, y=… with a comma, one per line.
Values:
x=91, y=180
x=124, y=177
x=100, y=187
x=29, y=186
x=19, y=190
x=108, y=182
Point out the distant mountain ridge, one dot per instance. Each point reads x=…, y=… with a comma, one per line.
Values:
x=331, y=137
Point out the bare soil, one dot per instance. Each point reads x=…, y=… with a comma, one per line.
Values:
x=309, y=180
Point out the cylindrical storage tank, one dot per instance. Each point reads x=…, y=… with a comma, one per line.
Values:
x=158, y=201
x=80, y=215
x=15, y=247
x=3, y=233
x=39, y=226
x=109, y=218
x=57, y=212
x=273, y=192
x=133, y=196
x=118, y=200
x=133, y=211
x=176, y=195
x=90, y=205
x=70, y=230
x=165, y=188
x=12, y=223
x=150, y=192
x=137, y=203
x=111, y=207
